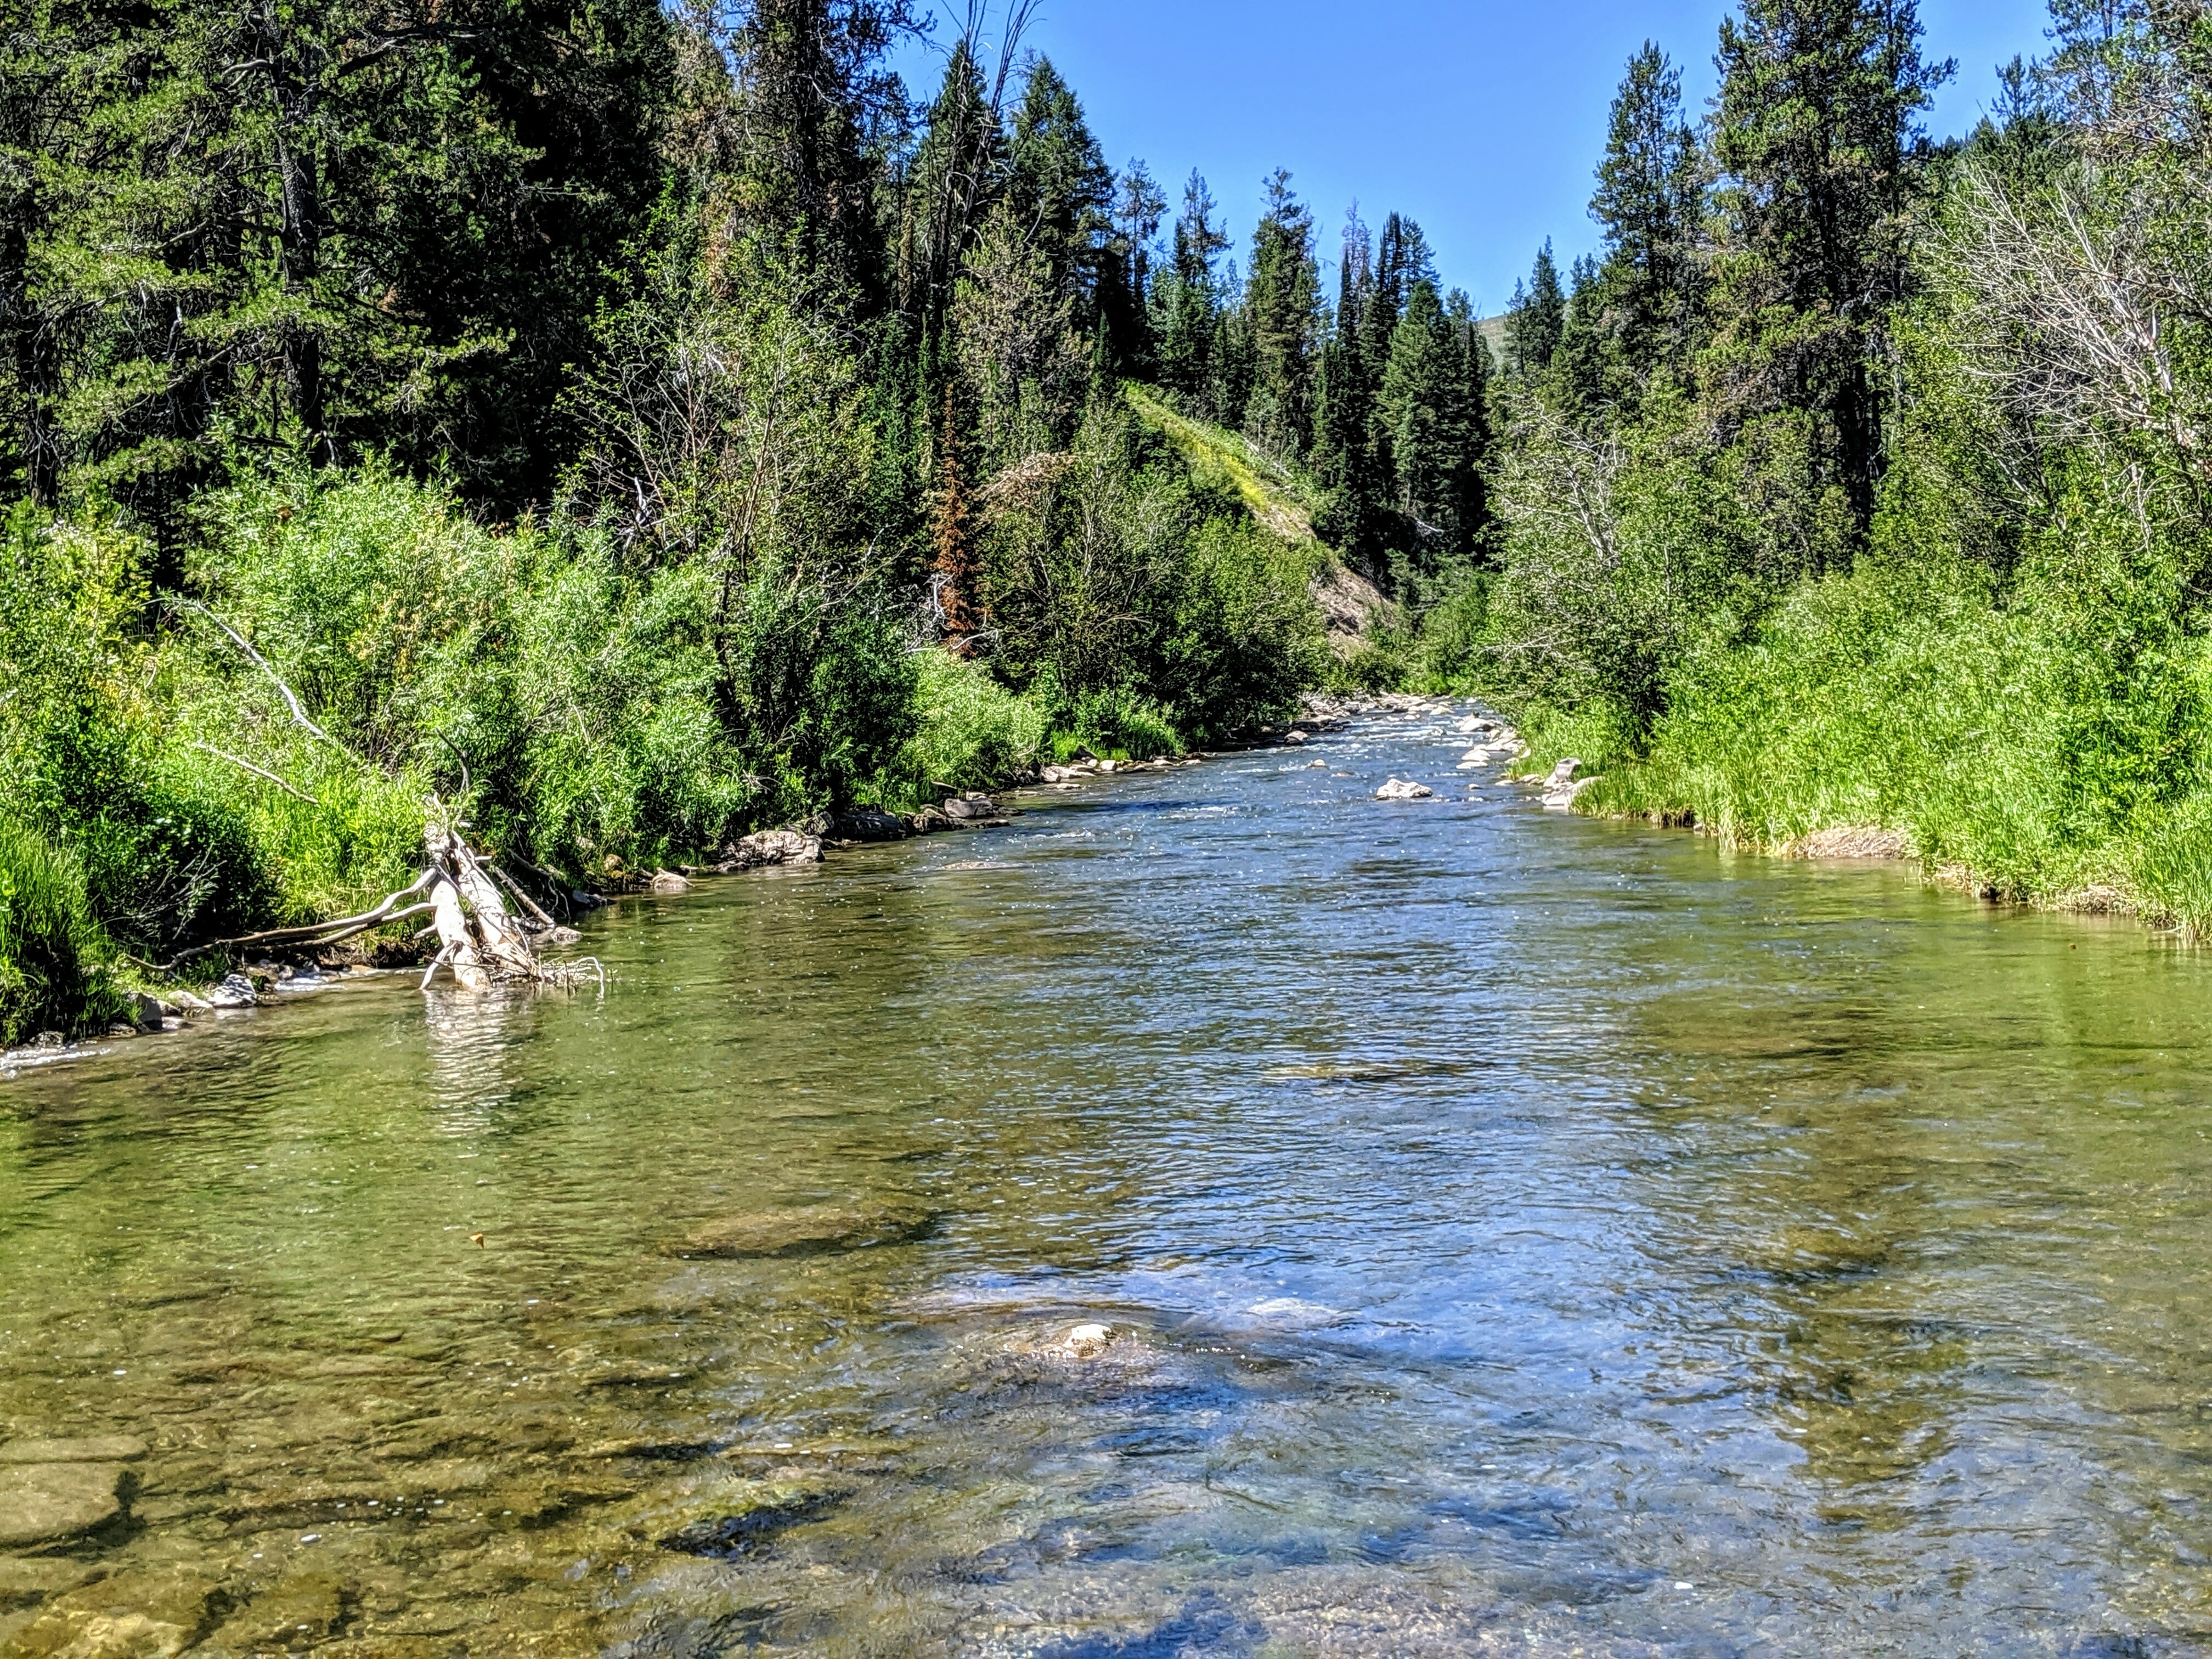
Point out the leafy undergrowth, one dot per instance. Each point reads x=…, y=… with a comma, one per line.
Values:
x=2055, y=750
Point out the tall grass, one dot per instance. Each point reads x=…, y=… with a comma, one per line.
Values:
x=53, y=953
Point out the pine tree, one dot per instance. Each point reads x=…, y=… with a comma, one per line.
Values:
x=1816, y=134
x=1650, y=202
x=1351, y=515
x=1187, y=299
x=1283, y=303
x=1059, y=187
x=1534, y=319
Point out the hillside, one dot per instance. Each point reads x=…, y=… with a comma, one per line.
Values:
x=1280, y=500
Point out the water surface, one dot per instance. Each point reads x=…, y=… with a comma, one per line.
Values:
x=1517, y=1233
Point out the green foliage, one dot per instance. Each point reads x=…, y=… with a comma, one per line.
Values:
x=970, y=732
x=53, y=954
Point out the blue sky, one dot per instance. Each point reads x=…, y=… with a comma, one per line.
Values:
x=1482, y=121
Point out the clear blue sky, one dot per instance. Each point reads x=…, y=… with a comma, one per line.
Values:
x=1483, y=121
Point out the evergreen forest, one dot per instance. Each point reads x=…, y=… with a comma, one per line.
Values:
x=632, y=427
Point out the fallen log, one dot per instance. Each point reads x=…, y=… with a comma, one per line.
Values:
x=312, y=934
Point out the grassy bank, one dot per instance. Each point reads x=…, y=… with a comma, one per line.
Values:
x=2054, y=750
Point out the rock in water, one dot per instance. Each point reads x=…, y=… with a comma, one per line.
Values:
x=1085, y=1341
x=968, y=808
x=1563, y=786
x=42, y=1503
x=140, y=1614
x=236, y=991
x=1404, y=789
x=775, y=847
x=868, y=823
x=810, y=1230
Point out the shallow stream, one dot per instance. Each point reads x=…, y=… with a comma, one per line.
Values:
x=1515, y=1232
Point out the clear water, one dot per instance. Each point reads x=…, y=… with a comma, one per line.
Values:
x=1518, y=1233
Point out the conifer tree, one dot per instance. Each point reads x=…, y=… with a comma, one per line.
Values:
x=1816, y=134
x=1187, y=299
x=1650, y=202
x=1535, y=318
x=1283, y=303
x=1350, y=517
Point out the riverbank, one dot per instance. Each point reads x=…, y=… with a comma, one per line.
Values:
x=241, y=980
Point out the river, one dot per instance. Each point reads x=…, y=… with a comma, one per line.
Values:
x=1514, y=1232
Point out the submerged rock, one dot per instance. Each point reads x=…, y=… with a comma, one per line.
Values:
x=43, y=1502
x=300, y=1609
x=139, y=1614
x=89, y=1448
x=809, y=1230
x=745, y=1524
x=667, y=881
x=1404, y=789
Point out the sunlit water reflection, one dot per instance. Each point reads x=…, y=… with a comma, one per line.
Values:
x=1517, y=1232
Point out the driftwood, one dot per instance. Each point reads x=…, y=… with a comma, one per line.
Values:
x=314, y=934
x=479, y=942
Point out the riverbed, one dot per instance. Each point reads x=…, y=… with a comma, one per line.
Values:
x=1513, y=1233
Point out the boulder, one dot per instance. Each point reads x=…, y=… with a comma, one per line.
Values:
x=966, y=809
x=667, y=881
x=868, y=823
x=928, y=820
x=1294, y=736
x=43, y=1502
x=146, y=1011
x=777, y=847
x=1404, y=789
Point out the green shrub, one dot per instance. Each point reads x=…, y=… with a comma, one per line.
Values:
x=52, y=953
x=971, y=734
x=1118, y=723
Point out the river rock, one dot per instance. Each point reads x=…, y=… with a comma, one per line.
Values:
x=1404, y=789
x=1563, y=786
x=967, y=808
x=777, y=847
x=808, y=1229
x=146, y=1616
x=868, y=823
x=295, y=1612
x=667, y=881
x=929, y=820
x=27, y=1580
x=1294, y=736
x=1087, y=1340
x=236, y=991
x=43, y=1503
